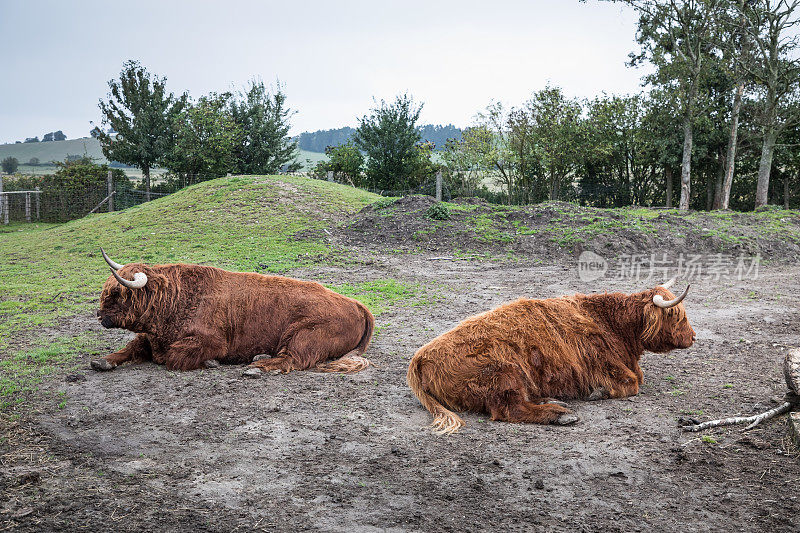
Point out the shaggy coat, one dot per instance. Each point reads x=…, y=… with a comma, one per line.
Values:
x=510, y=361
x=189, y=314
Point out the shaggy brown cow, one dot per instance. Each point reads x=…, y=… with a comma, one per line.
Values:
x=185, y=315
x=511, y=361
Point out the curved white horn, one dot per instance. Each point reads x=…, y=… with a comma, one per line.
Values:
x=659, y=301
x=139, y=280
x=669, y=284
x=112, y=264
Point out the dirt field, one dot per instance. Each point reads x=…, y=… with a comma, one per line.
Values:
x=143, y=449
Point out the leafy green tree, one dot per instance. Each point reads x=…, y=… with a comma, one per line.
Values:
x=263, y=120
x=619, y=153
x=33, y=161
x=555, y=127
x=678, y=37
x=32, y=139
x=54, y=136
x=206, y=138
x=10, y=165
x=346, y=162
x=389, y=138
x=775, y=68
x=143, y=114
x=465, y=160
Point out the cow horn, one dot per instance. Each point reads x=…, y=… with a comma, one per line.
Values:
x=112, y=264
x=669, y=284
x=658, y=300
x=139, y=280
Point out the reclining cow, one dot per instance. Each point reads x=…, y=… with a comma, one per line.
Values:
x=513, y=361
x=186, y=315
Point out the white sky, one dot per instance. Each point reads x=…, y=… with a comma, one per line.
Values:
x=332, y=56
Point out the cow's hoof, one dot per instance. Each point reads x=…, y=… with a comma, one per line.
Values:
x=599, y=394
x=211, y=363
x=261, y=356
x=102, y=365
x=252, y=373
x=556, y=402
x=566, y=419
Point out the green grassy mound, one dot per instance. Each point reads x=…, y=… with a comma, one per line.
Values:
x=50, y=272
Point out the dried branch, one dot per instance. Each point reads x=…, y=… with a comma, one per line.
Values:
x=753, y=420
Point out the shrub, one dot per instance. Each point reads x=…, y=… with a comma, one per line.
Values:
x=383, y=203
x=438, y=211
x=75, y=189
x=10, y=165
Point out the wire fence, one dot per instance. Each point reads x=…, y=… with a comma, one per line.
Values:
x=62, y=205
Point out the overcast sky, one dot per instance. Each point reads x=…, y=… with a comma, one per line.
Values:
x=332, y=56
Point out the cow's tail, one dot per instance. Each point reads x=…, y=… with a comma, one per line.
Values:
x=444, y=420
x=353, y=361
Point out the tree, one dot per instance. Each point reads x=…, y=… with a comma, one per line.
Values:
x=677, y=36
x=264, y=145
x=346, y=162
x=620, y=156
x=34, y=162
x=555, y=129
x=465, y=160
x=10, y=165
x=54, y=136
x=775, y=68
x=389, y=137
x=32, y=139
x=143, y=114
x=736, y=48
x=205, y=141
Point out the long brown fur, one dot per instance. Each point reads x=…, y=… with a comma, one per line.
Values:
x=189, y=314
x=508, y=362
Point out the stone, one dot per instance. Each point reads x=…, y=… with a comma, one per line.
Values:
x=102, y=365
x=252, y=373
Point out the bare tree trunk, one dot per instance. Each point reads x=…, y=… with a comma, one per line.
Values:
x=146, y=172
x=717, y=203
x=765, y=166
x=668, y=179
x=686, y=163
x=730, y=158
x=786, y=191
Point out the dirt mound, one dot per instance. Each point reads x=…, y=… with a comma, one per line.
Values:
x=559, y=229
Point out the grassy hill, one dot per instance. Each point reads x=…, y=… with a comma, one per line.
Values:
x=59, y=150
x=53, y=151
x=51, y=273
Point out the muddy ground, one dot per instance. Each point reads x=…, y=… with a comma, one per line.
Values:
x=144, y=449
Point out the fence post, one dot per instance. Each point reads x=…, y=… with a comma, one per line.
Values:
x=27, y=207
x=439, y=186
x=110, y=185
x=38, y=202
x=330, y=175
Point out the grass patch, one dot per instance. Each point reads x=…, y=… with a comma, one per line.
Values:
x=243, y=223
x=381, y=295
x=21, y=374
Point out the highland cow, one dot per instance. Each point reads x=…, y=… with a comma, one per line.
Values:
x=516, y=361
x=187, y=315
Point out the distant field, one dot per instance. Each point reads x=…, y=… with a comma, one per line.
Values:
x=53, y=151
x=59, y=150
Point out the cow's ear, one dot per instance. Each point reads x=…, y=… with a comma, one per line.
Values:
x=653, y=320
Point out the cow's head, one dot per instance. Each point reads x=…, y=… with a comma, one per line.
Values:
x=665, y=324
x=127, y=294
